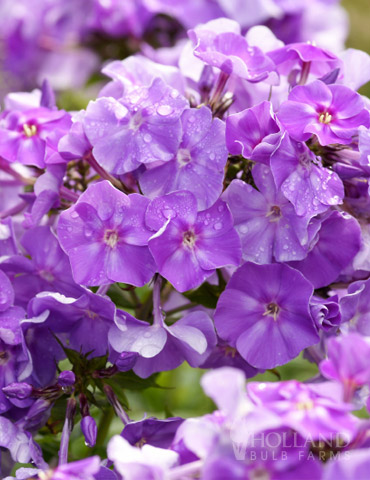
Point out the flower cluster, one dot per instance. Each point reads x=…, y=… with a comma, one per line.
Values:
x=210, y=205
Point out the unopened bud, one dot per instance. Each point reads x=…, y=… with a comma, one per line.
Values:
x=89, y=430
x=18, y=390
x=66, y=379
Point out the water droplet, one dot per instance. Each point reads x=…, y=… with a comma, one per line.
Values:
x=164, y=110
x=147, y=138
x=174, y=94
x=243, y=229
x=206, y=222
x=212, y=156
x=168, y=213
x=69, y=229
x=74, y=214
x=88, y=232
x=220, y=208
x=147, y=334
x=217, y=226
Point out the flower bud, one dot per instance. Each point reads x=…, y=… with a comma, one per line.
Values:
x=126, y=361
x=66, y=378
x=89, y=430
x=18, y=390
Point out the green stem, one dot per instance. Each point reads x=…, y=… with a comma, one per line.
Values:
x=103, y=427
x=180, y=309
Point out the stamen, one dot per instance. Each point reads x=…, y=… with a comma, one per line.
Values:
x=188, y=239
x=272, y=310
x=29, y=130
x=111, y=238
x=325, y=118
x=274, y=213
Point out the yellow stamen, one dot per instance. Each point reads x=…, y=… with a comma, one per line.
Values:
x=325, y=118
x=29, y=130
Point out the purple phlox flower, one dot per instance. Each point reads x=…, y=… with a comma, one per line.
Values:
x=48, y=269
x=269, y=323
x=331, y=112
x=303, y=180
x=142, y=127
x=199, y=163
x=225, y=356
x=266, y=221
x=139, y=70
x=226, y=387
x=31, y=136
x=356, y=68
x=140, y=464
x=355, y=307
x=253, y=133
x=7, y=238
x=74, y=144
x=15, y=363
x=86, y=469
x=332, y=249
x=46, y=190
x=347, y=362
x=189, y=14
x=161, y=347
x=85, y=319
x=105, y=237
x=325, y=312
x=314, y=411
x=354, y=464
x=304, y=59
x=152, y=431
x=196, y=243
x=16, y=440
x=220, y=44
x=119, y=20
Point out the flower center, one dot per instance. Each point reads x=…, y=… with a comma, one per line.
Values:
x=305, y=405
x=272, y=310
x=188, y=239
x=325, y=118
x=136, y=121
x=111, y=238
x=274, y=213
x=29, y=130
x=4, y=357
x=183, y=157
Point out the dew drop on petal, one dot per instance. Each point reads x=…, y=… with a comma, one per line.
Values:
x=217, y=226
x=164, y=110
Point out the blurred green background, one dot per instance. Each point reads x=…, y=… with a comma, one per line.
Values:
x=359, y=35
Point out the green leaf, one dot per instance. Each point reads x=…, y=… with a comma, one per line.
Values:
x=206, y=295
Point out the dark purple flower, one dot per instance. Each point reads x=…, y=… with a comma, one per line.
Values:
x=86, y=319
x=152, y=431
x=105, y=237
x=325, y=312
x=264, y=313
x=161, y=347
x=331, y=112
x=195, y=243
x=199, y=163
